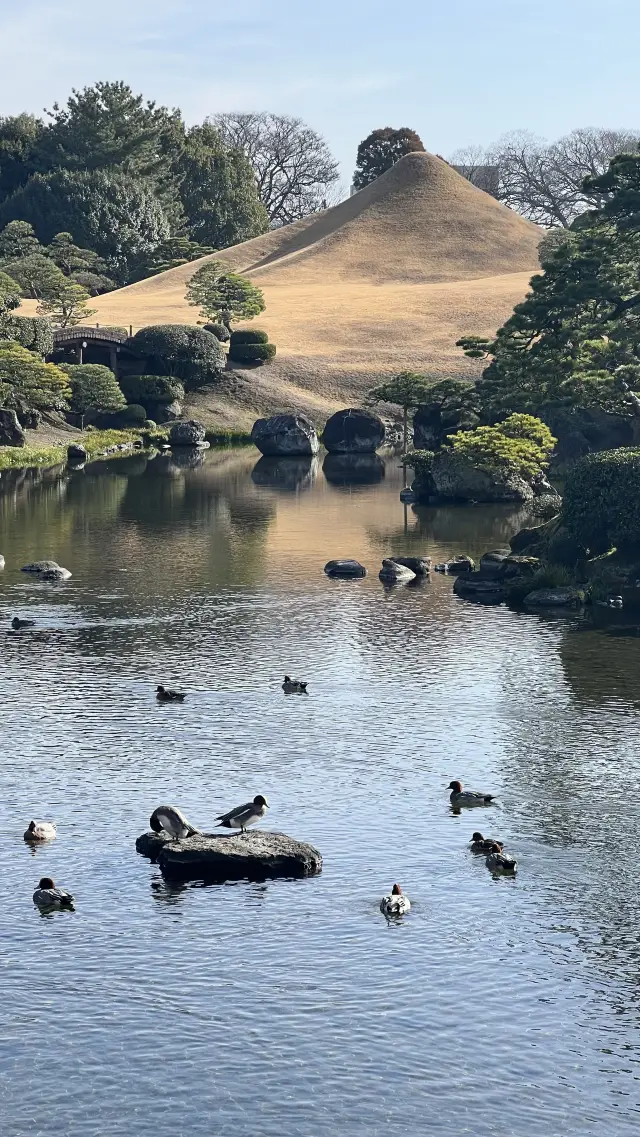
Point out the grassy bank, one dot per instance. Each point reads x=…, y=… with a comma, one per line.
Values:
x=95, y=442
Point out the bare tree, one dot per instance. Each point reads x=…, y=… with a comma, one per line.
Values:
x=294, y=168
x=476, y=164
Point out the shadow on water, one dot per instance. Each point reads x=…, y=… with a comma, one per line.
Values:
x=353, y=469
x=288, y=474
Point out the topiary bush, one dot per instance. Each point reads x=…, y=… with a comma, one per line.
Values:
x=33, y=332
x=94, y=387
x=25, y=380
x=220, y=331
x=252, y=352
x=420, y=461
x=601, y=504
x=151, y=389
x=133, y=414
x=521, y=443
x=249, y=335
x=180, y=351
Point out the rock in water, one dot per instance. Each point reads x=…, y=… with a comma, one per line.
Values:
x=455, y=477
x=76, y=453
x=421, y=566
x=554, y=598
x=353, y=431
x=394, y=573
x=186, y=433
x=285, y=434
x=40, y=566
x=11, y=433
x=58, y=573
x=345, y=568
x=256, y=855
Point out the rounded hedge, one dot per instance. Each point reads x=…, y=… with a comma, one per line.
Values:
x=151, y=389
x=220, y=331
x=601, y=502
x=252, y=352
x=249, y=335
x=94, y=388
x=181, y=351
x=134, y=413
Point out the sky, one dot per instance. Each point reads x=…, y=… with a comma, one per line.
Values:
x=459, y=72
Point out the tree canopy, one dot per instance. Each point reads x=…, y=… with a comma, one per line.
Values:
x=222, y=295
x=380, y=150
x=25, y=378
x=218, y=190
x=408, y=389
x=94, y=387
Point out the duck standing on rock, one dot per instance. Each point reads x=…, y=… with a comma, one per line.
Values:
x=17, y=623
x=47, y=895
x=165, y=695
x=459, y=797
x=172, y=821
x=40, y=831
x=396, y=903
x=243, y=815
x=480, y=844
x=499, y=861
x=294, y=686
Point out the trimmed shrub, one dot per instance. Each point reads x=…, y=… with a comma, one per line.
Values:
x=151, y=389
x=249, y=335
x=133, y=414
x=220, y=331
x=601, y=504
x=33, y=332
x=94, y=387
x=181, y=351
x=25, y=379
x=521, y=443
x=252, y=352
x=420, y=461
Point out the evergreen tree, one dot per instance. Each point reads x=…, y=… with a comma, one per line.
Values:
x=218, y=191
x=380, y=150
x=222, y=295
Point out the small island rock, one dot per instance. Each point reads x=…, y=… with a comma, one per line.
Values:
x=456, y=478
x=76, y=453
x=40, y=566
x=353, y=431
x=394, y=573
x=186, y=433
x=554, y=598
x=256, y=855
x=285, y=435
x=345, y=568
x=421, y=566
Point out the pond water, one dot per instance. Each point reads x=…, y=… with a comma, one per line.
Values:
x=291, y=1008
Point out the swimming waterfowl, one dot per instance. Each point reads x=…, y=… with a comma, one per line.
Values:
x=396, y=903
x=165, y=695
x=173, y=821
x=498, y=861
x=294, y=686
x=47, y=895
x=243, y=815
x=480, y=844
x=458, y=796
x=17, y=623
x=40, y=831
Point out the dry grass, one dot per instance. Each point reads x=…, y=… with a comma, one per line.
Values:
x=388, y=279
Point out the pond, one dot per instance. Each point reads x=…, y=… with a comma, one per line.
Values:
x=496, y=1007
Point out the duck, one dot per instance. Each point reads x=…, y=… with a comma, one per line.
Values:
x=458, y=796
x=294, y=686
x=173, y=821
x=480, y=844
x=499, y=861
x=615, y=602
x=17, y=623
x=243, y=815
x=47, y=895
x=396, y=903
x=40, y=831
x=165, y=695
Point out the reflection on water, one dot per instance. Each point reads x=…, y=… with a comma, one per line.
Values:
x=496, y=1008
x=354, y=469
x=295, y=473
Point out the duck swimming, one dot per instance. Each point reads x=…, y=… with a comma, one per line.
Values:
x=165, y=695
x=40, y=831
x=173, y=821
x=458, y=796
x=17, y=623
x=480, y=844
x=243, y=815
x=294, y=687
x=498, y=861
x=396, y=903
x=47, y=895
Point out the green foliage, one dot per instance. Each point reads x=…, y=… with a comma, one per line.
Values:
x=249, y=335
x=223, y=296
x=181, y=351
x=218, y=190
x=252, y=352
x=171, y=253
x=93, y=387
x=408, y=389
x=380, y=150
x=65, y=304
x=547, y=576
x=8, y=286
x=18, y=240
x=221, y=332
x=134, y=413
x=36, y=275
x=151, y=389
x=601, y=503
x=421, y=461
x=19, y=135
x=451, y=405
x=520, y=443
x=24, y=377
x=33, y=332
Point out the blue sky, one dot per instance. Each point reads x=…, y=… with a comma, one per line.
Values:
x=457, y=71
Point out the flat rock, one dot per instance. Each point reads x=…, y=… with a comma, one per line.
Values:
x=40, y=566
x=476, y=586
x=256, y=855
x=554, y=598
x=345, y=568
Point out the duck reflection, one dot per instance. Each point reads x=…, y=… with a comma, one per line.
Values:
x=353, y=469
x=288, y=474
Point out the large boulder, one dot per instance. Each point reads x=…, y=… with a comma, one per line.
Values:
x=186, y=433
x=394, y=573
x=456, y=478
x=76, y=453
x=11, y=433
x=421, y=566
x=346, y=568
x=285, y=435
x=167, y=412
x=257, y=855
x=353, y=431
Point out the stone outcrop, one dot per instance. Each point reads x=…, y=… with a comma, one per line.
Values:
x=554, y=598
x=11, y=433
x=255, y=855
x=345, y=568
x=189, y=432
x=394, y=573
x=167, y=412
x=476, y=586
x=421, y=566
x=353, y=431
x=457, y=479
x=40, y=566
x=76, y=454
x=286, y=434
